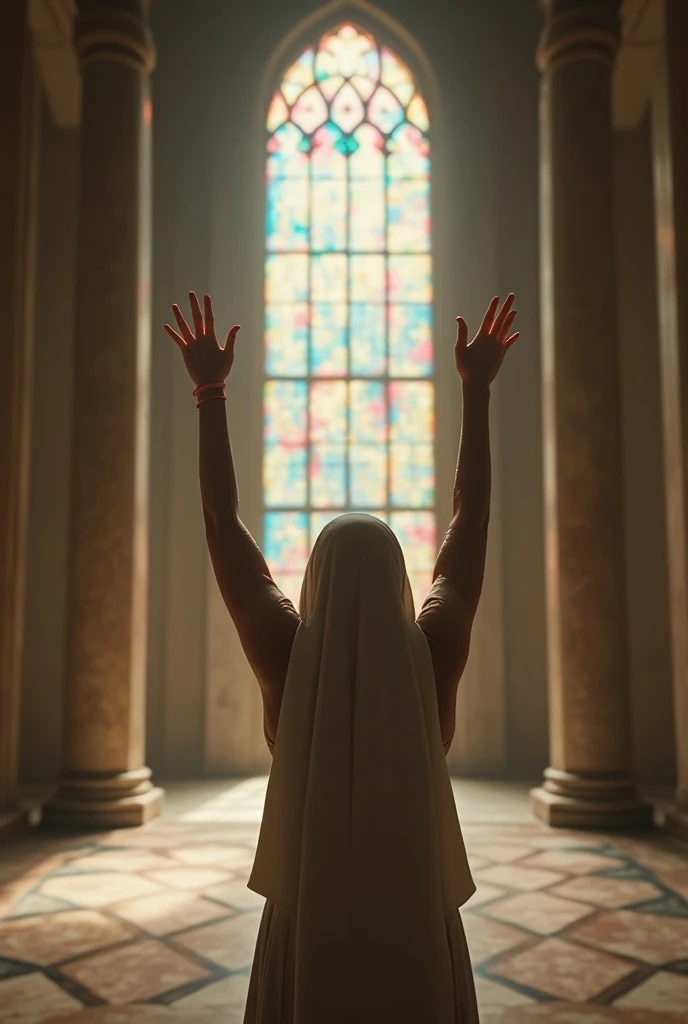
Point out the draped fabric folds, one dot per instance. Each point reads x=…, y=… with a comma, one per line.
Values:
x=360, y=843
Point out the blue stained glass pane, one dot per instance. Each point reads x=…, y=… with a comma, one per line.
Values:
x=286, y=339
x=328, y=476
x=367, y=215
x=284, y=475
x=286, y=541
x=409, y=153
x=328, y=277
x=368, y=412
x=328, y=339
x=328, y=157
x=367, y=339
x=410, y=341
x=286, y=277
x=328, y=230
x=411, y=411
x=408, y=216
x=285, y=411
x=412, y=478
x=368, y=474
x=328, y=410
x=410, y=278
x=287, y=215
x=287, y=153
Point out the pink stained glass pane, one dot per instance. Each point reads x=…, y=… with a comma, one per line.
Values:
x=409, y=153
x=367, y=338
x=367, y=159
x=287, y=215
x=310, y=110
x=284, y=475
x=367, y=278
x=328, y=212
x=328, y=476
x=328, y=277
x=385, y=111
x=396, y=76
x=328, y=339
x=287, y=153
x=328, y=411
x=367, y=475
x=298, y=76
x=411, y=413
x=286, y=277
x=367, y=411
x=285, y=541
x=347, y=110
x=410, y=341
x=416, y=533
x=278, y=112
x=285, y=411
x=327, y=156
x=408, y=215
x=286, y=339
x=367, y=215
x=348, y=52
x=412, y=478
x=409, y=278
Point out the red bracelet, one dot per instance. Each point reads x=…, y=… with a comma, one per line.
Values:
x=212, y=398
x=205, y=387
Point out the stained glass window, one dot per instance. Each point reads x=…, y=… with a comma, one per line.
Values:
x=348, y=393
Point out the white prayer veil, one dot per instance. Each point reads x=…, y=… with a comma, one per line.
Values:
x=360, y=840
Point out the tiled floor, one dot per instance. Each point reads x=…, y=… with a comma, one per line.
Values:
x=156, y=924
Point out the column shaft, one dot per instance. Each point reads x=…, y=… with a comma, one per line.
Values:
x=104, y=781
x=588, y=783
x=670, y=144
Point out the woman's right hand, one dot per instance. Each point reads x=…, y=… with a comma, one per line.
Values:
x=479, y=362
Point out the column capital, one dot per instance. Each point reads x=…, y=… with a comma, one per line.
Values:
x=579, y=30
x=114, y=30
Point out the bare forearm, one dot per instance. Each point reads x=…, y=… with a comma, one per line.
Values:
x=473, y=471
x=219, y=492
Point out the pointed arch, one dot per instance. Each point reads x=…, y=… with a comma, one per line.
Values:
x=349, y=368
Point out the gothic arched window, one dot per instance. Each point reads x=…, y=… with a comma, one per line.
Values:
x=348, y=390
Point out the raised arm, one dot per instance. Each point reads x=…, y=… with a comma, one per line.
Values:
x=448, y=612
x=255, y=603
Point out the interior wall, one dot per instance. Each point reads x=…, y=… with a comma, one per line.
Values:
x=645, y=525
x=43, y=670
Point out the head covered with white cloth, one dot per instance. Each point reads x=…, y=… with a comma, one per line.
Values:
x=360, y=839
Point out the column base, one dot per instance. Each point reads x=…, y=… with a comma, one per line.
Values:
x=103, y=801
x=602, y=802
x=13, y=823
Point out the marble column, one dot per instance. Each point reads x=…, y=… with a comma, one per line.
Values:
x=104, y=782
x=18, y=193
x=670, y=145
x=588, y=783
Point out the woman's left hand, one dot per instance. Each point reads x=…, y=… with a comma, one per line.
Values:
x=205, y=360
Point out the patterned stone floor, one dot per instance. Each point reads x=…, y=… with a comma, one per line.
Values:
x=156, y=924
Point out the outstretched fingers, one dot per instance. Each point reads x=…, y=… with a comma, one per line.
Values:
x=510, y=340
x=488, y=319
x=184, y=328
x=196, y=313
x=504, y=314
x=461, y=332
x=503, y=331
x=231, y=337
x=175, y=337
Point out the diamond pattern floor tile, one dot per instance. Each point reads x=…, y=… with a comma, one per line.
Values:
x=189, y=877
x=97, y=890
x=48, y=940
x=488, y=938
x=663, y=991
x=33, y=998
x=513, y=876
x=230, y=943
x=167, y=912
x=540, y=912
x=231, y=991
x=135, y=972
x=652, y=938
x=573, y=862
x=606, y=892
x=563, y=969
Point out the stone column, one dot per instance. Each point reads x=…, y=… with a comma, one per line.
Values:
x=670, y=144
x=104, y=782
x=18, y=193
x=588, y=784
